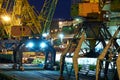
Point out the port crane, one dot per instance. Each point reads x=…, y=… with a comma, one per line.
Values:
x=42, y=26
x=23, y=15
x=95, y=29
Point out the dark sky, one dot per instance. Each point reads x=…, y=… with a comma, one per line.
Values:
x=62, y=9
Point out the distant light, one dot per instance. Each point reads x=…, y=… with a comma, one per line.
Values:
x=45, y=34
x=60, y=23
x=30, y=45
x=6, y=18
x=43, y=45
x=61, y=36
x=77, y=19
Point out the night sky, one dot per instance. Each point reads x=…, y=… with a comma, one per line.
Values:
x=62, y=9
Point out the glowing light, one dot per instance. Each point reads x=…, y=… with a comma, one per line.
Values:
x=30, y=44
x=61, y=36
x=43, y=45
x=6, y=18
x=44, y=34
x=60, y=23
x=77, y=19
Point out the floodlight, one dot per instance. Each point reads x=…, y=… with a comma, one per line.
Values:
x=43, y=44
x=30, y=45
x=6, y=18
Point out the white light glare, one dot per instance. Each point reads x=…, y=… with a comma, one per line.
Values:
x=43, y=45
x=30, y=45
x=77, y=19
x=6, y=18
x=45, y=34
x=61, y=36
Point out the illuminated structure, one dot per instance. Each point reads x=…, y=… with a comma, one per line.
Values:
x=95, y=20
x=28, y=24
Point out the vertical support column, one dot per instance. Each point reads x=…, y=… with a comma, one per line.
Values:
x=20, y=52
x=46, y=58
x=14, y=59
x=53, y=56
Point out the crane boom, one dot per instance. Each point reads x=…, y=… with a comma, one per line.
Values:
x=42, y=22
x=33, y=20
x=47, y=13
x=16, y=13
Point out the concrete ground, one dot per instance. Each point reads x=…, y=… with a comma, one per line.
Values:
x=33, y=72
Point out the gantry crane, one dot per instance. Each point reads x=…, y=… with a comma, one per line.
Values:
x=42, y=23
x=38, y=23
x=95, y=30
x=22, y=15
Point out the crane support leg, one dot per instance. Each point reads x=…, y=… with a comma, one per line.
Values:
x=76, y=55
x=103, y=54
x=50, y=58
x=118, y=65
x=46, y=58
x=20, y=53
x=100, y=58
x=53, y=57
x=20, y=61
x=62, y=61
x=14, y=59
